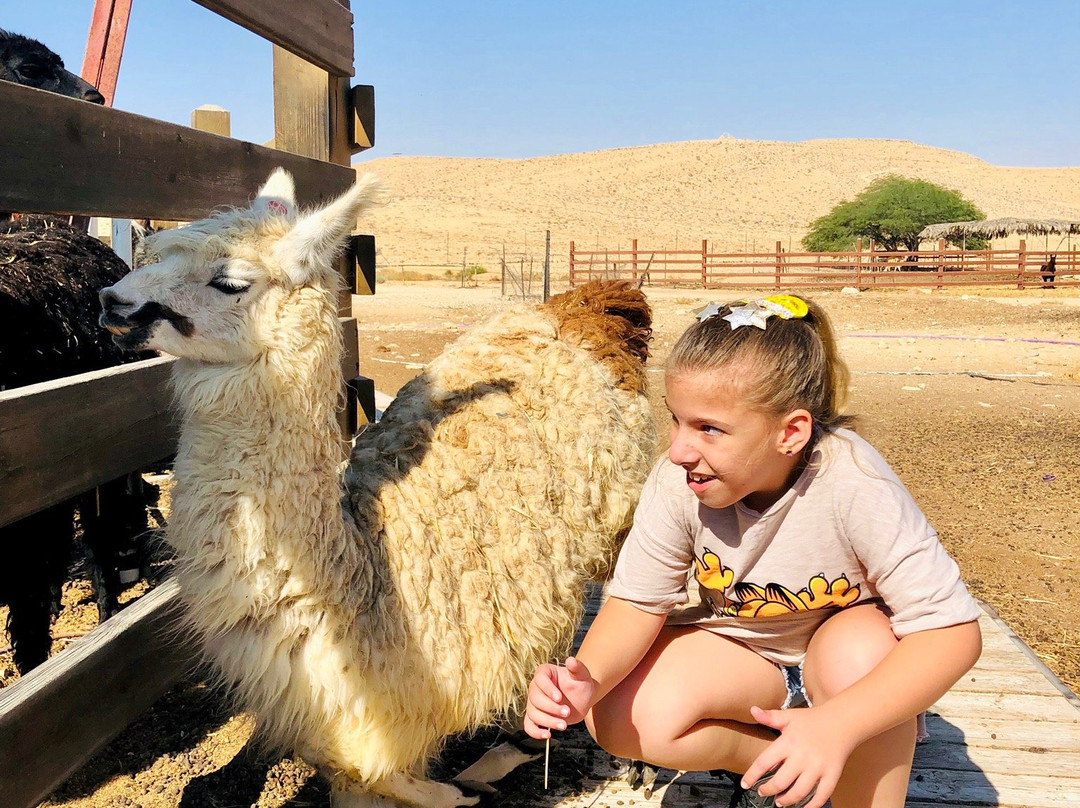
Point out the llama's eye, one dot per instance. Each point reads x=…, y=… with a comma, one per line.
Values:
x=230, y=286
x=30, y=71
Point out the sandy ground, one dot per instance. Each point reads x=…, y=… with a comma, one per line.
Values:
x=972, y=398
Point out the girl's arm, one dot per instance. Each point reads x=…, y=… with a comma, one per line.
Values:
x=620, y=636
x=916, y=673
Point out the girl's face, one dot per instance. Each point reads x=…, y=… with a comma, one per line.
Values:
x=730, y=451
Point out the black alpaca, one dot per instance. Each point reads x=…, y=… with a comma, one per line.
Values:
x=27, y=61
x=1049, y=272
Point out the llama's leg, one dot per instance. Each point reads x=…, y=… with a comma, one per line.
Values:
x=498, y=762
x=398, y=791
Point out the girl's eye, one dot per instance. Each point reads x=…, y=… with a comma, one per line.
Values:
x=230, y=286
x=709, y=429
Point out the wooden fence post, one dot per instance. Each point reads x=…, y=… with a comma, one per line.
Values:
x=573, y=265
x=858, y=263
x=779, y=259
x=940, y=263
x=704, y=263
x=633, y=256
x=1021, y=263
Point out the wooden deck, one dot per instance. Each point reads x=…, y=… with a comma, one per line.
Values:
x=1008, y=734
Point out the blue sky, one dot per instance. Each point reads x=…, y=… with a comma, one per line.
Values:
x=999, y=80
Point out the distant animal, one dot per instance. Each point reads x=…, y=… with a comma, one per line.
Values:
x=366, y=616
x=1048, y=271
x=49, y=276
x=26, y=61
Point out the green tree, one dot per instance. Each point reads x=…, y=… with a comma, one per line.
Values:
x=891, y=211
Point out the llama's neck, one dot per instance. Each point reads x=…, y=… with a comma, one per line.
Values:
x=257, y=507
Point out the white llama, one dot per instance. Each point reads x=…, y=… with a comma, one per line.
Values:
x=366, y=619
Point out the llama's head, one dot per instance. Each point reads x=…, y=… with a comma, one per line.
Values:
x=27, y=61
x=216, y=287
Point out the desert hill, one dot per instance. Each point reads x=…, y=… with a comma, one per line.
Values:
x=739, y=194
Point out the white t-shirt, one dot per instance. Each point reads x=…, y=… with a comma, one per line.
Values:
x=847, y=532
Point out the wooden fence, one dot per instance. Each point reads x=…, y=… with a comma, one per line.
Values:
x=859, y=268
x=58, y=438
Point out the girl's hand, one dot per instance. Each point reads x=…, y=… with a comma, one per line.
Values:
x=809, y=754
x=558, y=696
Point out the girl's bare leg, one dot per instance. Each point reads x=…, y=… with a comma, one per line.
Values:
x=687, y=705
x=847, y=647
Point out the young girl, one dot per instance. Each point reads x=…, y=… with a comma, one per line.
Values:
x=821, y=583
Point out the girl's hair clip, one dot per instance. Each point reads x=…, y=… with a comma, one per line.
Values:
x=757, y=312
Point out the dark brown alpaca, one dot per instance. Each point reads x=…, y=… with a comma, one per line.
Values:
x=1049, y=272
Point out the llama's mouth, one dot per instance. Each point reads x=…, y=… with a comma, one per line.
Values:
x=132, y=331
x=130, y=338
x=125, y=334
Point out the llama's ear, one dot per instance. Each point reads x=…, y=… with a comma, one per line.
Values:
x=278, y=195
x=317, y=238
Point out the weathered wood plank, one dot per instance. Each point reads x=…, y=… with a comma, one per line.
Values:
x=1030, y=760
x=63, y=437
x=1016, y=706
x=1004, y=733
x=142, y=167
x=311, y=120
x=1024, y=680
x=310, y=109
x=319, y=31
x=58, y=715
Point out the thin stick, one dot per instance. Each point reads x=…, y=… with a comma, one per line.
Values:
x=547, y=757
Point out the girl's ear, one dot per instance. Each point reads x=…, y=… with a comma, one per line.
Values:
x=796, y=429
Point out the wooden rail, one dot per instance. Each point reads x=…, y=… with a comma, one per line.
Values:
x=140, y=167
x=53, y=719
x=318, y=31
x=862, y=269
x=62, y=437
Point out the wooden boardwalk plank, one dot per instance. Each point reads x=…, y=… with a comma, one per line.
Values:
x=1007, y=734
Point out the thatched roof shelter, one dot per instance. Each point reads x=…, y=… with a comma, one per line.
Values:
x=999, y=228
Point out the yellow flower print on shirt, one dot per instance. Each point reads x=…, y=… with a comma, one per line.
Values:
x=772, y=600
x=711, y=574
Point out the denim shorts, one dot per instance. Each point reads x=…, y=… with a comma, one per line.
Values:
x=796, y=690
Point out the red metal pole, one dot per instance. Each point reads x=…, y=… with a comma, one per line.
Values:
x=105, y=45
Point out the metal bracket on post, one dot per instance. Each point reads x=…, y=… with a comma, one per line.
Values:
x=361, y=402
x=362, y=253
x=362, y=117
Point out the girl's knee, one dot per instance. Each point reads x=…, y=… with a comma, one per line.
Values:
x=613, y=732
x=846, y=648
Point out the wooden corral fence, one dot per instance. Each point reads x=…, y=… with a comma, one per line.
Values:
x=859, y=268
x=59, y=438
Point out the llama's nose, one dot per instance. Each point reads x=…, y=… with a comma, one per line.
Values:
x=93, y=96
x=109, y=299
